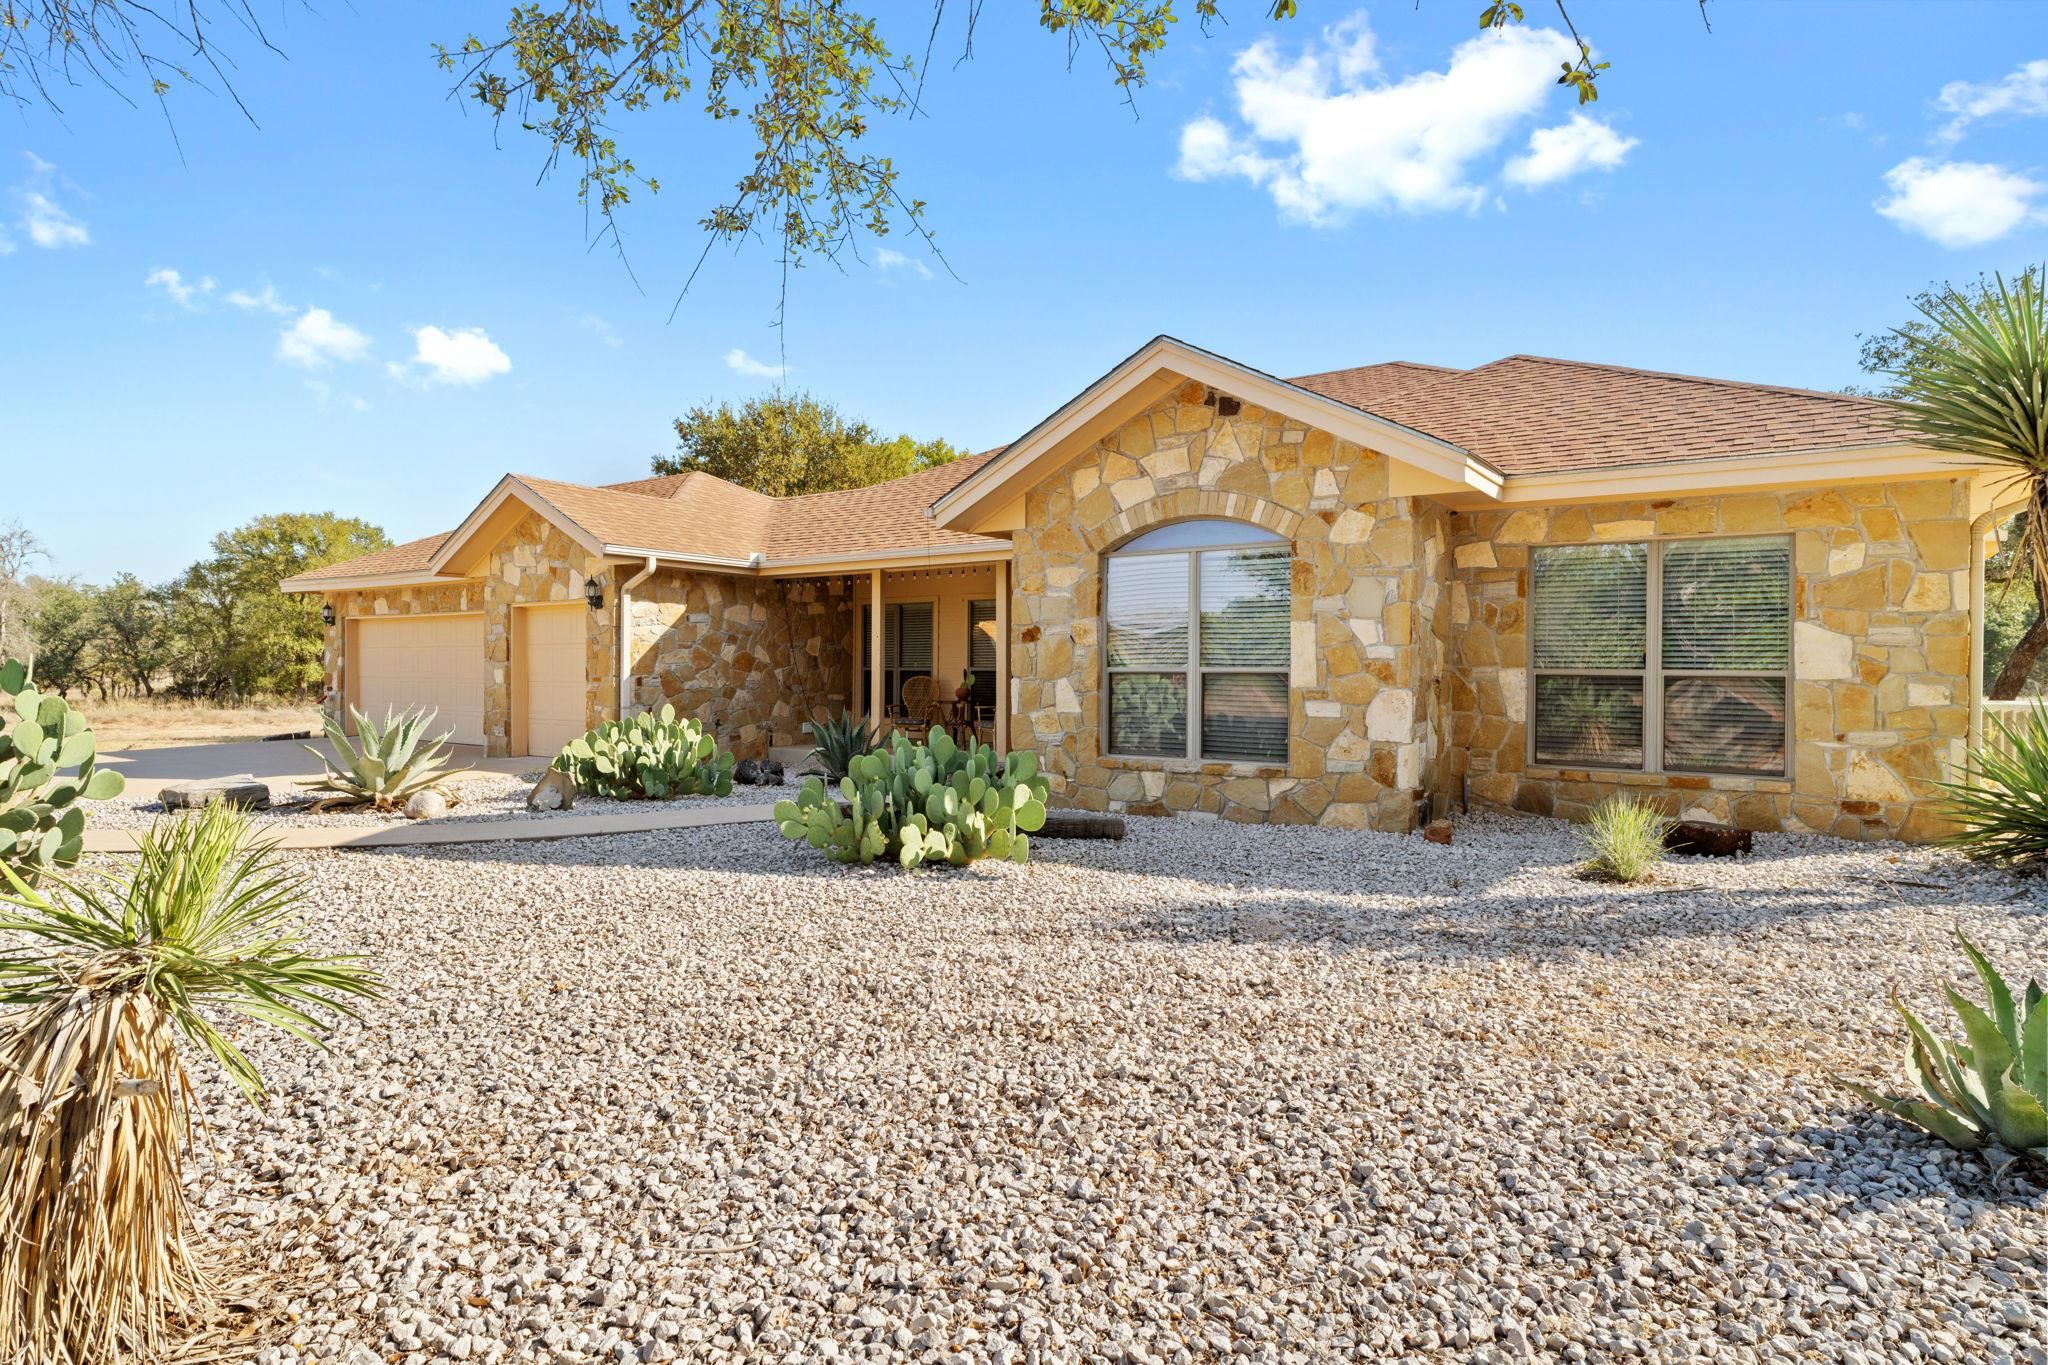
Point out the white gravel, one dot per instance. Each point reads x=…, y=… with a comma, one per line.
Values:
x=1275, y=1094
x=485, y=796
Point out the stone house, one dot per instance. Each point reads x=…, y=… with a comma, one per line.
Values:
x=1351, y=598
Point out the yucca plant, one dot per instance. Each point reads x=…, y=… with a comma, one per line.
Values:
x=2000, y=803
x=1626, y=839
x=383, y=765
x=105, y=982
x=1992, y=1088
x=839, y=742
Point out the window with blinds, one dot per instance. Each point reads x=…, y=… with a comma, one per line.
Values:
x=906, y=646
x=1666, y=655
x=981, y=651
x=1195, y=621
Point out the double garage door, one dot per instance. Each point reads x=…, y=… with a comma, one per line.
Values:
x=437, y=662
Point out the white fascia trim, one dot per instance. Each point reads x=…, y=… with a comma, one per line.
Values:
x=411, y=578
x=510, y=486
x=752, y=561
x=1892, y=460
x=1241, y=381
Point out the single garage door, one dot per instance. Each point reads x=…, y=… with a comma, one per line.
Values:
x=550, y=692
x=435, y=662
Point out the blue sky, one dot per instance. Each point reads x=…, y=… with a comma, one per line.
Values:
x=397, y=313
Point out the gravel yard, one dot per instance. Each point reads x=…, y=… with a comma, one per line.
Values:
x=1277, y=1093
x=486, y=796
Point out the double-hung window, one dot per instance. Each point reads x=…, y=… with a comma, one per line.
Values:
x=1666, y=656
x=1196, y=617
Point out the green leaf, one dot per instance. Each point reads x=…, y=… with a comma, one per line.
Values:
x=13, y=676
x=2020, y=1120
x=104, y=785
x=1995, y=991
x=1991, y=1055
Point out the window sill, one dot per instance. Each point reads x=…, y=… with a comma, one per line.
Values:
x=1206, y=767
x=1635, y=777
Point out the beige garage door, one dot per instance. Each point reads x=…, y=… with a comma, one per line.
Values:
x=550, y=684
x=436, y=662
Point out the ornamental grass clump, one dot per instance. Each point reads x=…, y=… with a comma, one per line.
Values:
x=1992, y=1089
x=105, y=985
x=655, y=755
x=922, y=803
x=2000, y=803
x=383, y=766
x=1626, y=837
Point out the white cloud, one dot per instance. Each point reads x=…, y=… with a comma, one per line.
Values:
x=1327, y=133
x=264, y=302
x=465, y=355
x=1960, y=203
x=888, y=258
x=591, y=322
x=1558, y=153
x=48, y=224
x=2023, y=92
x=173, y=283
x=739, y=362
x=317, y=338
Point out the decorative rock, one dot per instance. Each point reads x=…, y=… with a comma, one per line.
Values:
x=556, y=790
x=244, y=790
x=426, y=805
x=1437, y=831
x=757, y=772
x=1702, y=840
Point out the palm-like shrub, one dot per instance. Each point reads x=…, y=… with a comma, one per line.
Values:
x=656, y=755
x=383, y=765
x=104, y=984
x=839, y=742
x=42, y=826
x=1992, y=1088
x=1626, y=839
x=2000, y=805
x=922, y=803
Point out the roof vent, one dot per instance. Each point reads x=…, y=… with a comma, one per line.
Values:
x=1226, y=406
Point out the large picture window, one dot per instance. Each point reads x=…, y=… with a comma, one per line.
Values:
x=1196, y=620
x=1662, y=655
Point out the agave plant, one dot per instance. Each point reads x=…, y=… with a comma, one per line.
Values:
x=2000, y=803
x=383, y=765
x=104, y=983
x=1992, y=1088
x=839, y=742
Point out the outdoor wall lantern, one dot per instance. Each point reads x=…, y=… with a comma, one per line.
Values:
x=327, y=613
x=593, y=593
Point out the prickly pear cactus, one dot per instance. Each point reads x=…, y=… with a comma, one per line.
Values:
x=922, y=803
x=654, y=755
x=42, y=826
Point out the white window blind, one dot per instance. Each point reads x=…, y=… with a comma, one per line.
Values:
x=1667, y=655
x=1197, y=619
x=981, y=651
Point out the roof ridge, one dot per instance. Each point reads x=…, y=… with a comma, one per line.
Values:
x=1708, y=380
x=1377, y=365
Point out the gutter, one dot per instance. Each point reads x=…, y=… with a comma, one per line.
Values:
x=624, y=632
x=1978, y=529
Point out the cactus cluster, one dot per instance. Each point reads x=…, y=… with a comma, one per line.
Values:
x=1992, y=1089
x=656, y=754
x=922, y=803
x=42, y=826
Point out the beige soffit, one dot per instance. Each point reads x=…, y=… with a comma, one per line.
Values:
x=1887, y=463
x=1156, y=367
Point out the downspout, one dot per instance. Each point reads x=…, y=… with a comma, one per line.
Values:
x=625, y=628
x=1978, y=529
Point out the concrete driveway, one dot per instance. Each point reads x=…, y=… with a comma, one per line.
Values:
x=278, y=762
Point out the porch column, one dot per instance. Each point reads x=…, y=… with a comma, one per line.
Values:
x=1002, y=656
x=875, y=651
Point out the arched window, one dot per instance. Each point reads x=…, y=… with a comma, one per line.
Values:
x=1195, y=621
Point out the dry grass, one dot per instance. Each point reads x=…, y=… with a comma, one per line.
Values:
x=138, y=723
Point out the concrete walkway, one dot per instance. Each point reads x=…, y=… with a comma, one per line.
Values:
x=282, y=763
x=421, y=833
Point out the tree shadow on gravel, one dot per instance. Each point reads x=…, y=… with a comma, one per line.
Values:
x=1873, y=1163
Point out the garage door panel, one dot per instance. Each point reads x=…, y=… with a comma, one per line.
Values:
x=433, y=662
x=551, y=683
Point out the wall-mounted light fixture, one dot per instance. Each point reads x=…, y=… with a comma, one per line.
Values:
x=327, y=613
x=593, y=593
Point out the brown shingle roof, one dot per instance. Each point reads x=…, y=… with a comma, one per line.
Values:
x=411, y=557
x=702, y=515
x=1535, y=415
x=1365, y=385
x=881, y=517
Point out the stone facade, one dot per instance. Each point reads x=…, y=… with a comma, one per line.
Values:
x=1366, y=585
x=753, y=658
x=1881, y=656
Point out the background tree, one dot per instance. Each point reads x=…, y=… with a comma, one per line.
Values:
x=19, y=550
x=65, y=632
x=128, y=618
x=791, y=443
x=1974, y=382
